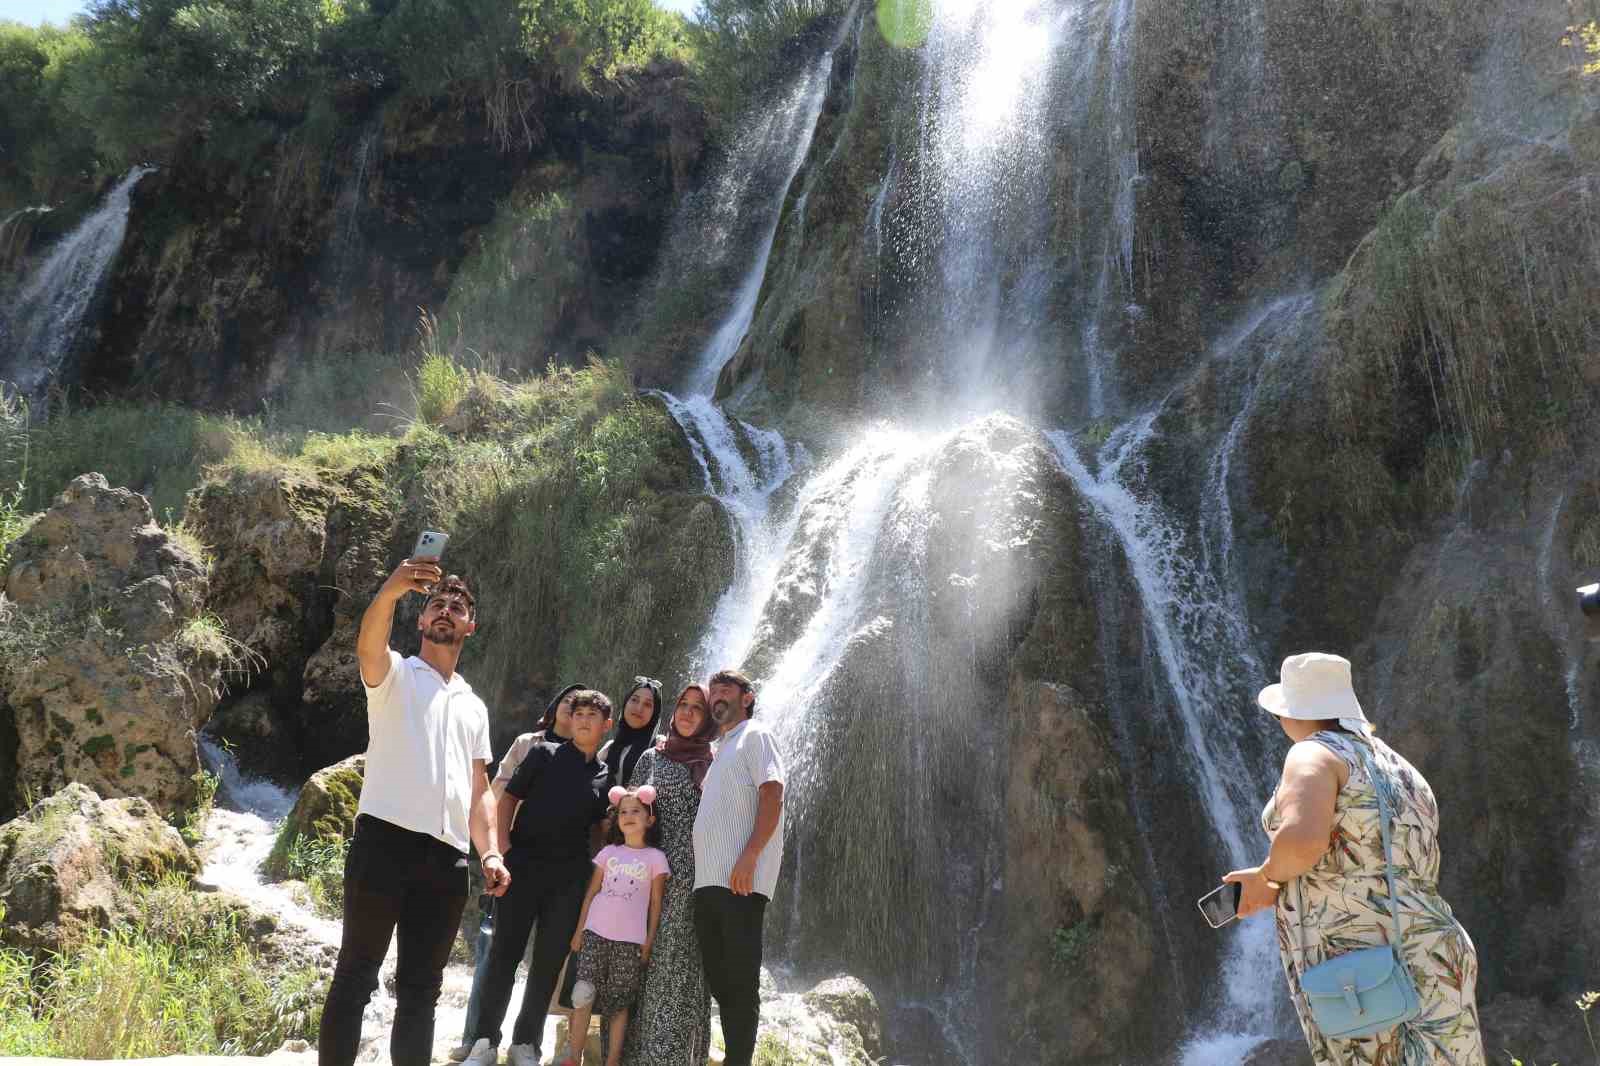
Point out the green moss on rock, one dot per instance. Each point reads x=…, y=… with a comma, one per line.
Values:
x=325, y=810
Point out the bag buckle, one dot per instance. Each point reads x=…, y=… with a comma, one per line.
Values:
x=1349, y=990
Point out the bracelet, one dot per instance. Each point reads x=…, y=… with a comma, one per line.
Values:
x=492, y=855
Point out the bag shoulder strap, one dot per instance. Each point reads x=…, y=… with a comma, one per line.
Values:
x=1388, y=852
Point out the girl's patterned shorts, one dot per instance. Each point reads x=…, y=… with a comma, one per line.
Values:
x=614, y=968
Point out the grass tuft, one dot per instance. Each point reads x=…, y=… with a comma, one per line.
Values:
x=319, y=862
x=181, y=978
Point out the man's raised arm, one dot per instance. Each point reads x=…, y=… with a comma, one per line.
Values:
x=372, y=642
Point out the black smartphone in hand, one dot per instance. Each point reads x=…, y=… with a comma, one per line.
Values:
x=1221, y=905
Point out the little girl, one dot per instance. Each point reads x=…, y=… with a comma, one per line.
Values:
x=618, y=922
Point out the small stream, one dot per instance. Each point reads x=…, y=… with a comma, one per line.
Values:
x=238, y=838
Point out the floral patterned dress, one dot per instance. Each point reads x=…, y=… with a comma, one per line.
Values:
x=1342, y=904
x=671, y=1024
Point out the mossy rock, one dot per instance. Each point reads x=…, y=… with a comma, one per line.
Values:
x=67, y=863
x=325, y=810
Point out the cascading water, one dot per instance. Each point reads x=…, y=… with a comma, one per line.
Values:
x=49, y=311
x=239, y=835
x=1199, y=639
x=841, y=577
x=346, y=242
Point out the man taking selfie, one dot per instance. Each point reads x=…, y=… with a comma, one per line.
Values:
x=425, y=793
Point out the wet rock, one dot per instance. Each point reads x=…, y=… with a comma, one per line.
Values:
x=325, y=810
x=848, y=1001
x=836, y=1023
x=65, y=862
x=111, y=665
x=1284, y=1051
x=1534, y=1030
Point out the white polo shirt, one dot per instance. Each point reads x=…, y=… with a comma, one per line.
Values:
x=746, y=758
x=423, y=733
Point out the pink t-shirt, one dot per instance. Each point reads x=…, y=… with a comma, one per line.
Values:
x=621, y=909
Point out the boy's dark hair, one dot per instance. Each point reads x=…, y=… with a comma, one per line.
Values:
x=590, y=697
x=652, y=833
x=734, y=677
x=454, y=585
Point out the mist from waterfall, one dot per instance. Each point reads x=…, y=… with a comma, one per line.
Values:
x=47, y=316
x=833, y=594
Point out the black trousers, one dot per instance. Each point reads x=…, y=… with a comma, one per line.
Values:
x=396, y=882
x=548, y=895
x=729, y=930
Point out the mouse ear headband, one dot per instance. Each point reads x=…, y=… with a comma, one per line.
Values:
x=646, y=794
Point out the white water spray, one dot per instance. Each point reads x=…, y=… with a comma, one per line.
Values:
x=239, y=835
x=51, y=306
x=1195, y=624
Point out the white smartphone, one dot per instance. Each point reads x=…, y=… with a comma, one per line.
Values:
x=1221, y=905
x=430, y=545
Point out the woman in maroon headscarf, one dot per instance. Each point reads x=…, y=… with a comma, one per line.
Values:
x=672, y=1020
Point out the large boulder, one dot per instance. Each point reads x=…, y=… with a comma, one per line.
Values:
x=66, y=862
x=324, y=810
x=837, y=1023
x=301, y=553
x=274, y=524
x=110, y=664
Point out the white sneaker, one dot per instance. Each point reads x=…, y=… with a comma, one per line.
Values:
x=459, y=1052
x=483, y=1053
x=523, y=1055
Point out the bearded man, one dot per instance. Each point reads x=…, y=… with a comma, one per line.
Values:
x=738, y=847
x=424, y=801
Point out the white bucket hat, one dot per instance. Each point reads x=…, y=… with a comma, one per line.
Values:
x=1316, y=686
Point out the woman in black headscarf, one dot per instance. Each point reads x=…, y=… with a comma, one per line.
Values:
x=636, y=727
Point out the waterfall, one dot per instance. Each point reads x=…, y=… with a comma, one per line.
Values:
x=345, y=244
x=1199, y=639
x=773, y=143
x=986, y=112
x=49, y=311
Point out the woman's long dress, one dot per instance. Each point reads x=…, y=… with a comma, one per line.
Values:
x=1342, y=904
x=671, y=1023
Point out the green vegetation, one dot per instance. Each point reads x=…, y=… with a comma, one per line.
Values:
x=773, y=1050
x=140, y=80
x=1523, y=244
x=193, y=826
x=513, y=286
x=739, y=40
x=14, y=515
x=319, y=862
x=1068, y=944
x=182, y=977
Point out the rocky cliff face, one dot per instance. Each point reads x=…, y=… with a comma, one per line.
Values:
x=327, y=240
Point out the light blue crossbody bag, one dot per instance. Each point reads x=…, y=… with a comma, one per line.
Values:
x=1367, y=991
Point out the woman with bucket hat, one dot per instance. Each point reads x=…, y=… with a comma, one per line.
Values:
x=1378, y=967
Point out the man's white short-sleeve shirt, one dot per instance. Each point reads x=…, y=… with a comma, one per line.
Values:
x=746, y=758
x=423, y=734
